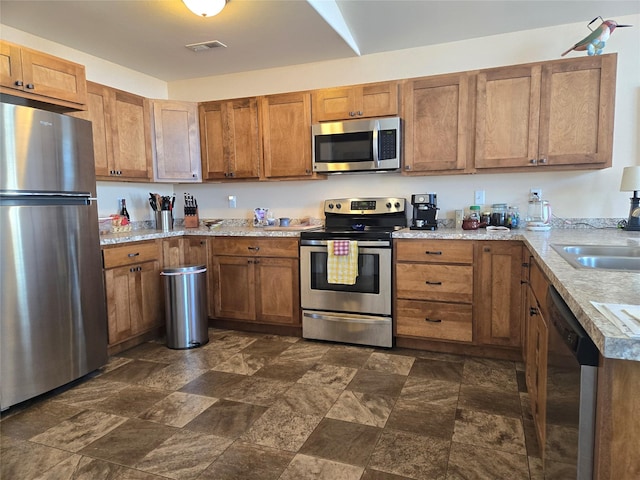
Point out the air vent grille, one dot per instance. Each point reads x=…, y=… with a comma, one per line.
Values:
x=199, y=47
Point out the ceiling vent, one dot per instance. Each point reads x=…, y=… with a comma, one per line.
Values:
x=202, y=46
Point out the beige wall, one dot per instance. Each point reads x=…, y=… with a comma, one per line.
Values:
x=588, y=194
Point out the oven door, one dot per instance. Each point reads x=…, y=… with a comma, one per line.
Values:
x=370, y=295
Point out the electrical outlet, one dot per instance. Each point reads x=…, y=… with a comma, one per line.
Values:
x=478, y=199
x=232, y=201
x=536, y=192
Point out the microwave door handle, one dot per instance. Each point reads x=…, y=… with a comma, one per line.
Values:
x=376, y=131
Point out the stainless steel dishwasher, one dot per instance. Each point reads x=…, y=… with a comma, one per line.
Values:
x=572, y=374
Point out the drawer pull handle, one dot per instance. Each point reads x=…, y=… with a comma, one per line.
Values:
x=255, y=249
x=432, y=253
x=433, y=320
x=131, y=255
x=433, y=283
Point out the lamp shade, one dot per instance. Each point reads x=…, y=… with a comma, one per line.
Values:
x=205, y=8
x=630, y=179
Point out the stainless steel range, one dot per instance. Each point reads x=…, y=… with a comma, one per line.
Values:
x=356, y=310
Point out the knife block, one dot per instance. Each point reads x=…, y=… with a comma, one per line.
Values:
x=192, y=221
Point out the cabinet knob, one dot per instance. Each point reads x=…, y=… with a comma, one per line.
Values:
x=432, y=320
x=533, y=311
x=486, y=249
x=359, y=113
x=307, y=171
x=194, y=175
x=543, y=160
x=533, y=161
x=19, y=83
x=30, y=86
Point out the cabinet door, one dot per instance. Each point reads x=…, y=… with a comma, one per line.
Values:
x=195, y=250
x=577, y=109
x=437, y=123
x=99, y=102
x=10, y=66
x=149, y=292
x=131, y=137
x=54, y=77
x=536, y=366
x=507, y=116
x=173, y=252
x=122, y=309
x=377, y=99
x=176, y=142
x=498, y=293
x=214, y=163
x=277, y=291
x=286, y=135
x=332, y=104
x=242, y=141
x=233, y=293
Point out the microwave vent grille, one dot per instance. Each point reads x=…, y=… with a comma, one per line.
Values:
x=199, y=47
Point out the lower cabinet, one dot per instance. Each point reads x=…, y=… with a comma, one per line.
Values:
x=255, y=280
x=537, y=346
x=498, y=293
x=434, y=289
x=180, y=251
x=133, y=290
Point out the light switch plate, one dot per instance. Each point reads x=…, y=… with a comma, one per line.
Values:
x=232, y=201
x=478, y=199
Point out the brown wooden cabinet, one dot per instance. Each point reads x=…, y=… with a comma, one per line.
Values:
x=438, y=122
x=355, y=101
x=133, y=290
x=434, y=289
x=286, y=135
x=537, y=347
x=255, y=280
x=498, y=293
x=38, y=76
x=121, y=133
x=552, y=114
x=230, y=139
x=176, y=142
x=180, y=251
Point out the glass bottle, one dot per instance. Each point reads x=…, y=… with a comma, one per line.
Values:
x=513, y=217
x=474, y=212
x=123, y=209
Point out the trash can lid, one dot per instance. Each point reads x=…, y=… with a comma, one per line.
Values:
x=184, y=269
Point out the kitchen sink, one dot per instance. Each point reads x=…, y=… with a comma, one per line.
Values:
x=602, y=257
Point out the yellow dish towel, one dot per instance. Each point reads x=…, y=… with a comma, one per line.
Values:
x=342, y=269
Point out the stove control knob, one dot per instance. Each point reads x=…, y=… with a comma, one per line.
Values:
x=330, y=206
x=338, y=206
x=397, y=204
x=388, y=204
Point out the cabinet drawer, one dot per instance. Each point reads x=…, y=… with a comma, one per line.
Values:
x=256, y=247
x=442, y=321
x=434, y=251
x=448, y=283
x=130, y=253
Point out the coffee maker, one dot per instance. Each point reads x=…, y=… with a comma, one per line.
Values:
x=425, y=211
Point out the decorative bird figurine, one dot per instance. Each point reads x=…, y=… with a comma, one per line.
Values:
x=597, y=39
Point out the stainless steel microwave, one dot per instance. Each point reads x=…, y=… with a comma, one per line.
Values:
x=369, y=145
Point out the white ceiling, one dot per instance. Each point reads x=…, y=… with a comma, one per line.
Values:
x=149, y=36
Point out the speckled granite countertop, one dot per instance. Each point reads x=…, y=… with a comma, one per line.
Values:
x=578, y=287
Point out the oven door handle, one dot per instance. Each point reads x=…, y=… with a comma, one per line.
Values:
x=344, y=316
x=361, y=243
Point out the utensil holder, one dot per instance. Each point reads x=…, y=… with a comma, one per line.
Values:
x=164, y=220
x=192, y=221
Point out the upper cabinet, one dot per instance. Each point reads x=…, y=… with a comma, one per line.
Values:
x=286, y=135
x=176, y=142
x=37, y=76
x=229, y=139
x=438, y=121
x=550, y=114
x=121, y=133
x=357, y=101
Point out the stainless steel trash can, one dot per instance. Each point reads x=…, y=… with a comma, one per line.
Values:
x=186, y=306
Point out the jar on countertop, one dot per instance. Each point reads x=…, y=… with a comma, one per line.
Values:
x=513, y=217
x=472, y=220
x=499, y=214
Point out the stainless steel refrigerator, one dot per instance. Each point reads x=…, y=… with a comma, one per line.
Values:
x=52, y=303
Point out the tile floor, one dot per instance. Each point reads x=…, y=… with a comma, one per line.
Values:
x=265, y=407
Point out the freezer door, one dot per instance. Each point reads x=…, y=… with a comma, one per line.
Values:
x=45, y=151
x=53, y=314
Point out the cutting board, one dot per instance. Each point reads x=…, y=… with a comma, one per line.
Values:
x=294, y=228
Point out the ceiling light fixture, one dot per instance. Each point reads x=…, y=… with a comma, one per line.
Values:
x=205, y=8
